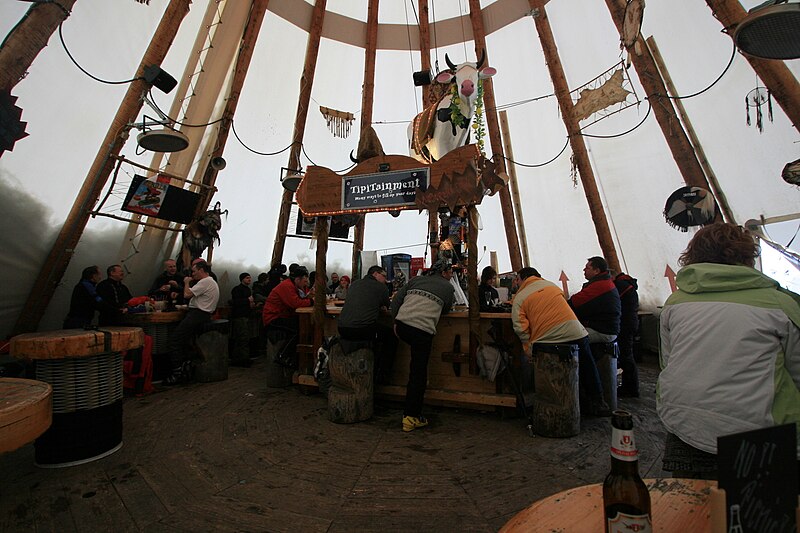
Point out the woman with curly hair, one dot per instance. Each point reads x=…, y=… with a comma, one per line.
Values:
x=730, y=350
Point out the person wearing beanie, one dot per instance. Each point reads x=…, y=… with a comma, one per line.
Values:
x=242, y=303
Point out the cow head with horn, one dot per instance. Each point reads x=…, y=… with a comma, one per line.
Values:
x=443, y=127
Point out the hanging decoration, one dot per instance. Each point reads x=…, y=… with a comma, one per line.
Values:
x=573, y=170
x=477, y=123
x=791, y=172
x=339, y=122
x=604, y=95
x=631, y=26
x=690, y=206
x=756, y=98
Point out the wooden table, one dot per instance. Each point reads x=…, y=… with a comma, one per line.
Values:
x=681, y=505
x=26, y=411
x=159, y=325
x=84, y=367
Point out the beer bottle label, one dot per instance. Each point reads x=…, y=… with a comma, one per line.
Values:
x=623, y=447
x=627, y=523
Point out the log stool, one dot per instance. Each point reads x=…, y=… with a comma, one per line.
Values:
x=26, y=411
x=556, y=406
x=605, y=355
x=84, y=367
x=279, y=341
x=212, y=349
x=350, y=397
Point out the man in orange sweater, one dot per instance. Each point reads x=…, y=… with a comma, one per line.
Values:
x=541, y=315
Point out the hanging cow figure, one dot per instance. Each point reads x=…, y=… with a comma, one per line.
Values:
x=443, y=127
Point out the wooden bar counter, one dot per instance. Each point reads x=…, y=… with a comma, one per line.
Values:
x=449, y=379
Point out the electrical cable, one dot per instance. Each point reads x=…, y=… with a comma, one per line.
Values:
x=303, y=149
x=233, y=129
x=649, y=107
x=538, y=164
x=730, y=62
x=95, y=78
x=184, y=124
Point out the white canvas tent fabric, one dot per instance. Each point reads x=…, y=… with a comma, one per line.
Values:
x=635, y=172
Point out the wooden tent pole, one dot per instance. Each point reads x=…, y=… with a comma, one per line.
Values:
x=479, y=36
x=306, y=83
x=473, y=297
x=60, y=254
x=775, y=74
x=514, y=185
x=576, y=142
x=28, y=38
x=320, y=283
x=425, y=61
x=248, y=44
x=687, y=123
x=682, y=150
x=367, y=99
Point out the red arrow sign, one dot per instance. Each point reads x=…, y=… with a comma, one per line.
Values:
x=564, y=279
x=670, y=275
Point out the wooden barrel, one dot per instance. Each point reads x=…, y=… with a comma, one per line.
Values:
x=350, y=397
x=26, y=411
x=159, y=326
x=556, y=407
x=84, y=367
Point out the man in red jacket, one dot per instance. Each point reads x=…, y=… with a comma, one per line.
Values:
x=279, y=309
x=597, y=305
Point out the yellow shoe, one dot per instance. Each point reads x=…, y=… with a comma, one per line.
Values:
x=410, y=423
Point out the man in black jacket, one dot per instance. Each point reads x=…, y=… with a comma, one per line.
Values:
x=116, y=294
x=597, y=305
x=168, y=285
x=85, y=300
x=366, y=298
x=242, y=304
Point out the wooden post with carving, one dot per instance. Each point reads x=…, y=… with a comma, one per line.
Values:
x=367, y=98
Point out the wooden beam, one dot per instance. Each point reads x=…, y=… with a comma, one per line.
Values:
x=774, y=73
x=677, y=140
x=579, y=151
x=28, y=38
x=490, y=107
x=367, y=99
x=425, y=60
x=248, y=44
x=513, y=185
x=472, y=289
x=716, y=190
x=61, y=253
x=306, y=83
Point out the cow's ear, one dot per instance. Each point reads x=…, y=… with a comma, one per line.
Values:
x=487, y=72
x=444, y=77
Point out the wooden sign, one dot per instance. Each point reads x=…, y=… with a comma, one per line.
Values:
x=393, y=188
x=461, y=177
x=758, y=471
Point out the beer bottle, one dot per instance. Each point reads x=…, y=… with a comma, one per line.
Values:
x=626, y=502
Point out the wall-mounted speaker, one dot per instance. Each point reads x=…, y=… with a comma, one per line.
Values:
x=218, y=163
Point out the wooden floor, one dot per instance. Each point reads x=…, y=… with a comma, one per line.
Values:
x=235, y=456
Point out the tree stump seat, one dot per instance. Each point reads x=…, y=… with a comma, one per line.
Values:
x=350, y=397
x=280, y=341
x=556, y=406
x=605, y=355
x=211, y=344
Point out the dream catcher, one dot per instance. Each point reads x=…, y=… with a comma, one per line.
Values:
x=756, y=98
x=339, y=122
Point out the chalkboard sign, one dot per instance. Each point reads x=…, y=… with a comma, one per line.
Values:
x=384, y=189
x=758, y=470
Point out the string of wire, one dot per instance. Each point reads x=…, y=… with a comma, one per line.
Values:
x=95, y=78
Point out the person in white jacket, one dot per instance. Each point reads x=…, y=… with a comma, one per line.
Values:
x=730, y=351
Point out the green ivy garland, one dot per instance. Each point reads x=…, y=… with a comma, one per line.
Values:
x=477, y=123
x=457, y=118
